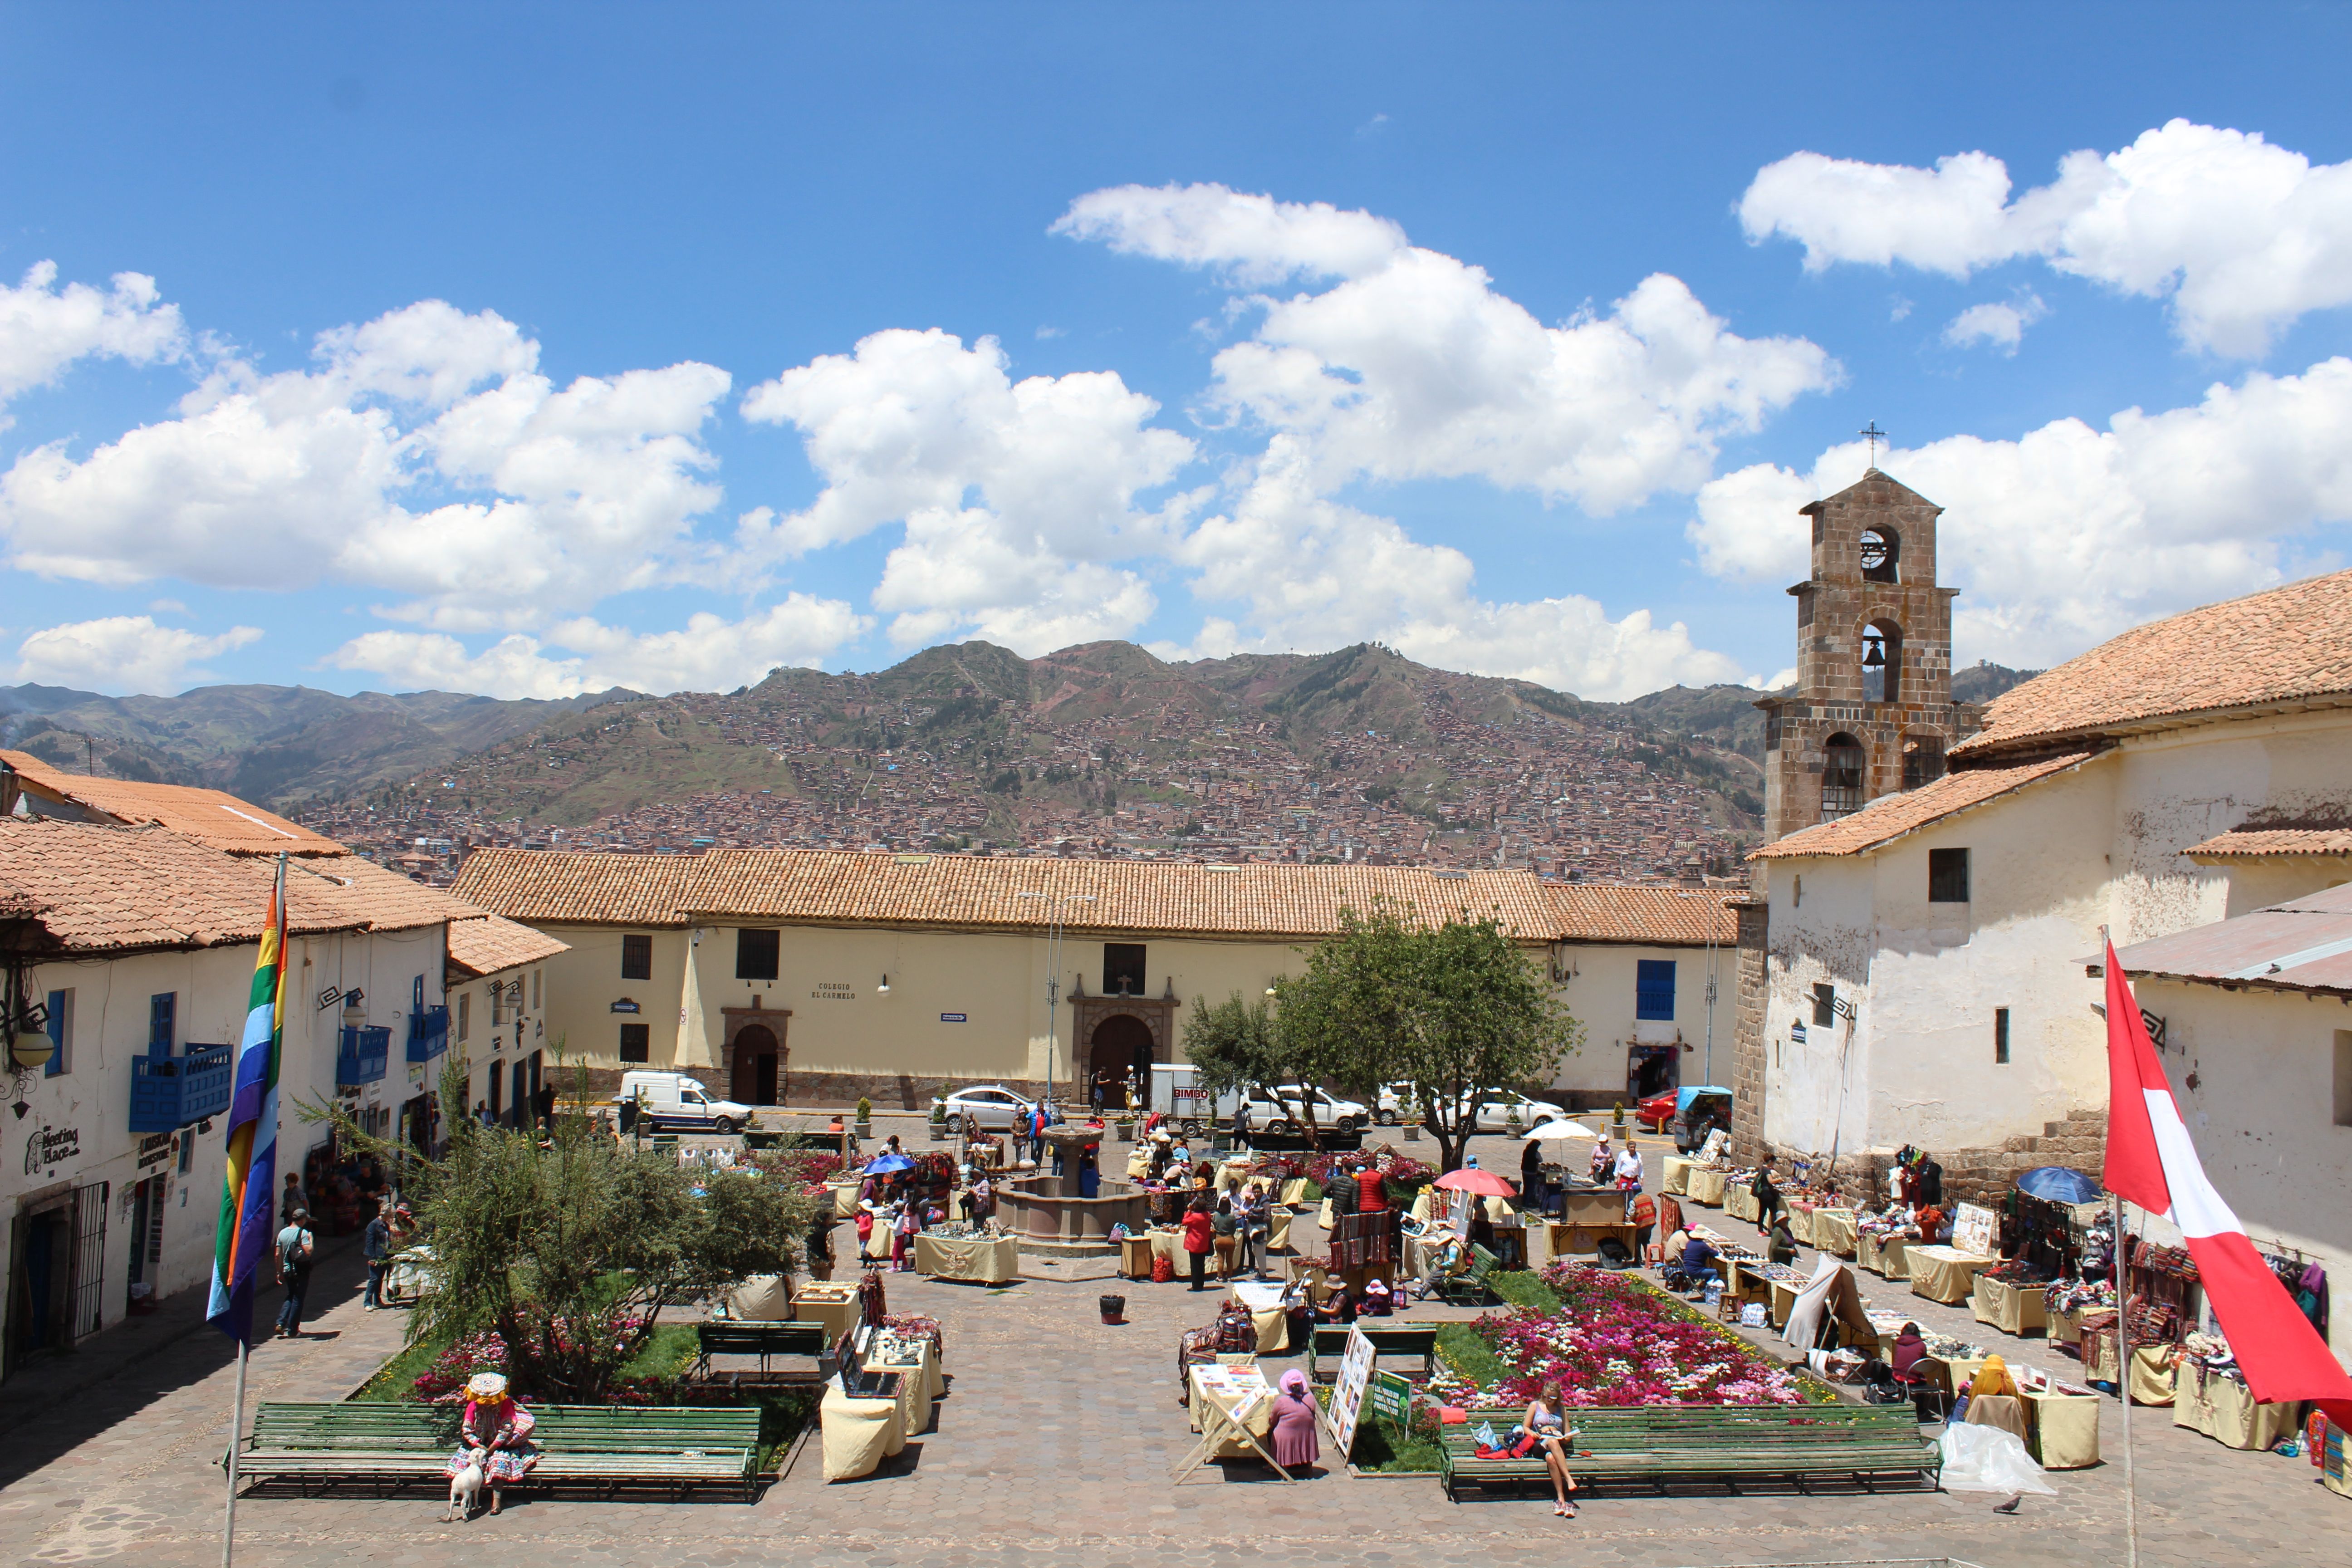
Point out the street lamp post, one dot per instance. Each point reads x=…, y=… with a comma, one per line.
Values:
x=1055, y=925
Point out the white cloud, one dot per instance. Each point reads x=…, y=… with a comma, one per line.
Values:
x=554, y=498
x=123, y=654
x=710, y=653
x=44, y=328
x=1413, y=366
x=1016, y=498
x=2069, y=535
x=2000, y=325
x=1315, y=575
x=2242, y=237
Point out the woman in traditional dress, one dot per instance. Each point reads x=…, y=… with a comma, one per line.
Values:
x=1294, y=1422
x=495, y=1436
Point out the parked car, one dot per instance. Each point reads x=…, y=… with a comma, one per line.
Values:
x=1391, y=1101
x=1655, y=1112
x=992, y=1107
x=673, y=1102
x=1495, y=1107
x=1700, y=1109
x=1287, y=1103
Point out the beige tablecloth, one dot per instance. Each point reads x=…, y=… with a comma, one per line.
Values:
x=1945, y=1273
x=2012, y=1309
x=2154, y=1377
x=1882, y=1254
x=762, y=1298
x=844, y=1197
x=1294, y=1190
x=1705, y=1186
x=1739, y=1203
x=2065, y=1428
x=1675, y=1173
x=859, y=1434
x=1801, y=1223
x=1257, y=1406
x=1277, y=1228
x=992, y=1259
x=1833, y=1231
x=2224, y=1411
x=835, y=1306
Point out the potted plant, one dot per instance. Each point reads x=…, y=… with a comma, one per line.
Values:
x=1411, y=1124
x=864, y=1117
x=939, y=1112
x=1617, y=1120
x=1511, y=1121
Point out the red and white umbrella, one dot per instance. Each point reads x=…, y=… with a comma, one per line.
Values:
x=1472, y=1180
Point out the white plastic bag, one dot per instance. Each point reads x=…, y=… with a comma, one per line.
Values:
x=1987, y=1460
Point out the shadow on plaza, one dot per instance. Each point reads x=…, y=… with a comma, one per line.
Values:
x=61, y=1400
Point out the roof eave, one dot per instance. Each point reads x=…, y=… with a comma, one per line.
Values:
x=2154, y=723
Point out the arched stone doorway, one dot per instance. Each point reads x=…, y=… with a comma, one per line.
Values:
x=1121, y=1049
x=755, y=1054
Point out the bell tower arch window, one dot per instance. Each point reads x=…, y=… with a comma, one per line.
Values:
x=1879, y=554
x=1841, y=774
x=1882, y=661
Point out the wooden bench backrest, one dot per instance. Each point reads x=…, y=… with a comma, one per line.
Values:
x=748, y=1338
x=579, y=1428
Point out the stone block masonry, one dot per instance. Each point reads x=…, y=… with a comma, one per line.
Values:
x=1979, y=1175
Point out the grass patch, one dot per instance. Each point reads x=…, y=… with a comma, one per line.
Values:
x=1524, y=1290
x=1385, y=1448
x=397, y=1378
x=1459, y=1346
x=666, y=1355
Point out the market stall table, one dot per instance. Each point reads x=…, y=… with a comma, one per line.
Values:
x=1233, y=1409
x=2226, y=1411
x=1833, y=1231
x=2064, y=1429
x=2013, y=1309
x=835, y=1306
x=762, y=1298
x=1945, y=1273
x=1269, y=1315
x=1705, y=1186
x=1675, y=1173
x=859, y=1434
x=844, y=1196
x=1801, y=1221
x=1739, y=1203
x=992, y=1259
x=1882, y=1254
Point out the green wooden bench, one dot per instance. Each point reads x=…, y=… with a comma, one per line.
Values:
x=1474, y=1288
x=597, y=1447
x=1328, y=1342
x=762, y=1337
x=1730, y=1447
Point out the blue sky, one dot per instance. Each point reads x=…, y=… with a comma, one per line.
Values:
x=563, y=346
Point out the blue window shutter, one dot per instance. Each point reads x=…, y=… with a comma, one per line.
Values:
x=162, y=1021
x=1653, y=988
x=56, y=1065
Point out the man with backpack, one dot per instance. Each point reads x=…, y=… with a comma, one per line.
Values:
x=297, y=1248
x=376, y=1246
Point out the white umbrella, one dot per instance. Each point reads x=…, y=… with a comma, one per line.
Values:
x=1556, y=1130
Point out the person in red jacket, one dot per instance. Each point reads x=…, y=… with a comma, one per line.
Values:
x=1199, y=1229
x=1372, y=1193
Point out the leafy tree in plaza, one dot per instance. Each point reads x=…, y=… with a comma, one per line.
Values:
x=1484, y=1017
x=570, y=1248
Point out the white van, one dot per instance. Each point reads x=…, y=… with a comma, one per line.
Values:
x=673, y=1102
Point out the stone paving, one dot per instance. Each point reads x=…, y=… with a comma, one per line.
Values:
x=1054, y=1445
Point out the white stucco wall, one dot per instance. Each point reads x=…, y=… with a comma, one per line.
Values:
x=2262, y=1114
x=1599, y=990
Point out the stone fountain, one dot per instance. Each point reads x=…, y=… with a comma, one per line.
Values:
x=1048, y=1214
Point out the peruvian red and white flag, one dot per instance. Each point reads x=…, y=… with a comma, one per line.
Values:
x=2152, y=1162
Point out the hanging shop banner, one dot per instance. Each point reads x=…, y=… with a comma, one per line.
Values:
x=1348, y=1392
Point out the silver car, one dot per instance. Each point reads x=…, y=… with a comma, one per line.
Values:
x=992, y=1107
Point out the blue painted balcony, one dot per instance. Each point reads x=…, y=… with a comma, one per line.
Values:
x=168, y=1093
x=428, y=1034
x=361, y=1057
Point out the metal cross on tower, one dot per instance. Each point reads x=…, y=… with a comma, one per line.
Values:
x=1873, y=435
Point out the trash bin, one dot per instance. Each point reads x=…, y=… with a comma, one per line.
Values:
x=1114, y=1309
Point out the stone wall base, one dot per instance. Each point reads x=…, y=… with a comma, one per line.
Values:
x=1978, y=1175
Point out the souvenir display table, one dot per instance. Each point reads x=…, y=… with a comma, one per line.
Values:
x=859, y=1434
x=1800, y=1219
x=1945, y=1273
x=835, y=1306
x=1233, y=1409
x=2224, y=1410
x=1833, y=1231
x=2013, y=1309
x=761, y=1298
x=1740, y=1204
x=2062, y=1427
x=1294, y=1190
x=992, y=1259
x=1882, y=1254
x=1269, y=1315
x=1277, y=1226
x=1675, y=1173
x=1705, y=1186
x=844, y=1196
x=1775, y=1283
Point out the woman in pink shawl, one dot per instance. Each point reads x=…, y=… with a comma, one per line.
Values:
x=495, y=1435
x=1294, y=1422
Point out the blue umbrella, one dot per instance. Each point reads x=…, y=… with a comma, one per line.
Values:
x=2057, y=1185
x=883, y=1164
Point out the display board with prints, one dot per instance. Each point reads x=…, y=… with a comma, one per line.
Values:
x=1974, y=1230
x=1347, y=1390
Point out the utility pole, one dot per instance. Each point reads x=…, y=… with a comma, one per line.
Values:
x=1054, y=926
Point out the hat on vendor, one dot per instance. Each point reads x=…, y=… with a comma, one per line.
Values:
x=1161, y=1135
x=487, y=1388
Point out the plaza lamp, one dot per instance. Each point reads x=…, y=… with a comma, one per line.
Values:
x=1055, y=903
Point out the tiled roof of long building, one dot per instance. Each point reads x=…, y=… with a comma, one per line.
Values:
x=1891, y=816
x=210, y=816
x=1599, y=911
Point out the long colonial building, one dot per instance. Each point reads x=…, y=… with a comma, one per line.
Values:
x=817, y=977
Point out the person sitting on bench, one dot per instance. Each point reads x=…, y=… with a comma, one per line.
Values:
x=1699, y=1262
x=1450, y=1262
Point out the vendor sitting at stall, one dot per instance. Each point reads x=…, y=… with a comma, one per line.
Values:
x=1339, y=1307
x=1604, y=1161
x=1449, y=1260
x=1699, y=1262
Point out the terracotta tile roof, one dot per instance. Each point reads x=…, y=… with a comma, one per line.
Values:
x=846, y=887
x=1591, y=911
x=2261, y=843
x=2287, y=645
x=210, y=816
x=389, y=900
x=492, y=943
x=552, y=885
x=1891, y=816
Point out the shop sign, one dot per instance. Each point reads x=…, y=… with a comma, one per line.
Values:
x=46, y=1146
x=154, y=1150
x=1347, y=1390
x=1797, y=1031
x=951, y=1018
x=834, y=991
x=625, y=1005
x=1390, y=1395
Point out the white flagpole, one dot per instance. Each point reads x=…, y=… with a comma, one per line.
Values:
x=2123, y=1379
x=235, y=1431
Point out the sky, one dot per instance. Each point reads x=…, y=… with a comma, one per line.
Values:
x=529, y=351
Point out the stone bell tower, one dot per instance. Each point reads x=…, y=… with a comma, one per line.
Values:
x=1872, y=711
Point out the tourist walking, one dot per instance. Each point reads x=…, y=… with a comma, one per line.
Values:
x=1199, y=1234
x=297, y=1251
x=902, y=1234
x=376, y=1246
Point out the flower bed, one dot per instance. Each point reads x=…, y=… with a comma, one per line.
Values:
x=1613, y=1342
